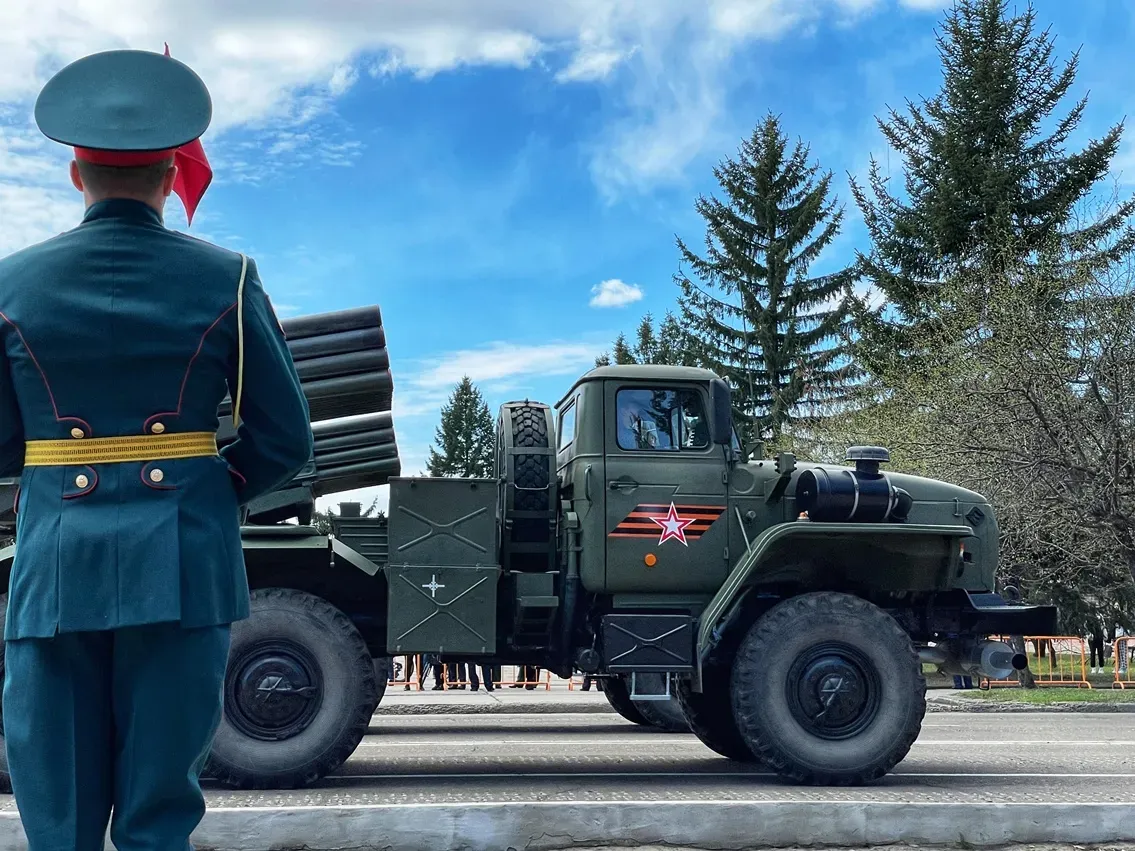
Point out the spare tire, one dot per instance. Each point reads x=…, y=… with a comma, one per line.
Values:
x=526, y=475
x=299, y=693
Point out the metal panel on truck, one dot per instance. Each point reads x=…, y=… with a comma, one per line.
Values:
x=443, y=566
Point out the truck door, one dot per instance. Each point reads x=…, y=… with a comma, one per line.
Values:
x=665, y=490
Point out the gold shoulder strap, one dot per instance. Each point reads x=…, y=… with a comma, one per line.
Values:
x=239, y=340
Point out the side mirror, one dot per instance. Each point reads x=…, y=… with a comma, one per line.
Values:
x=722, y=412
x=754, y=450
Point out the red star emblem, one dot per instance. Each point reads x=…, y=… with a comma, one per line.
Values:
x=673, y=526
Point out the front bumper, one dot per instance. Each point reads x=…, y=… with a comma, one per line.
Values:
x=961, y=614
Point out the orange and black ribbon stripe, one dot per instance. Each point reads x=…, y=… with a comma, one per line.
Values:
x=640, y=522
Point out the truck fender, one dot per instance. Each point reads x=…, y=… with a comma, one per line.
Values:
x=764, y=550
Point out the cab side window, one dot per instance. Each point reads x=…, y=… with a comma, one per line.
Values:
x=660, y=420
x=567, y=425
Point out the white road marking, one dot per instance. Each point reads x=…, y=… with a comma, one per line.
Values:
x=645, y=775
x=905, y=806
x=687, y=739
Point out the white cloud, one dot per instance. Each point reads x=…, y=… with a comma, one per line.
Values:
x=615, y=293
x=277, y=69
x=499, y=362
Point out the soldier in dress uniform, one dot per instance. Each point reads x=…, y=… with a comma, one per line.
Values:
x=119, y=339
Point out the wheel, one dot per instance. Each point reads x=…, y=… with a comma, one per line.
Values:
x=828, y=690
x=663, y=714
x=619, y=696
x=299, y=693
x=709, y=714
x=527, y=482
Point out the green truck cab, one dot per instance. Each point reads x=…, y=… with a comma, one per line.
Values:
x=783, y=608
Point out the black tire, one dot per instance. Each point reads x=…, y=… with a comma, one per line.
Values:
x=619, y=696
x=663, y=714
x=710, y=714
x=300, y=641
x=801, y=650
x=528, y=540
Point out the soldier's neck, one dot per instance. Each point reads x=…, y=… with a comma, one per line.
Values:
x=157, y=203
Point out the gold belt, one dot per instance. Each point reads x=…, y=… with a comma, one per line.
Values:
x=111, y=450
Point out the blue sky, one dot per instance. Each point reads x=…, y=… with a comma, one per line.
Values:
x=478, y=170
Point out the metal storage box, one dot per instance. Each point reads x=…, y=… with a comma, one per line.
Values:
x=443, y=521
x=443, y=566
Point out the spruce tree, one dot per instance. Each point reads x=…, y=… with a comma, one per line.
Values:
x=668, y=344
x=466, y=436
x=981, y=176
x=756, y=318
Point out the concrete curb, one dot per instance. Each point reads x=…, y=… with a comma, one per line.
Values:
x=962, y=704
x=723, y=825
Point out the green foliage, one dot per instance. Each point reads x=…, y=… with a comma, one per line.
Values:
x=668, y=344
x=754, y=316
x=465, y=438
x=322, y=520
x=980, y=177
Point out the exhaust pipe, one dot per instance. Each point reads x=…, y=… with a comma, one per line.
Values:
x=993, y=659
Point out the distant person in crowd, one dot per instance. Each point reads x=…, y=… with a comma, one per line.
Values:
x=486, y=673
x=1096, y=646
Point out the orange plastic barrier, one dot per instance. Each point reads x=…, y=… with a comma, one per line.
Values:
x=1055, y=661
x=1122, y=652
x=405, y=681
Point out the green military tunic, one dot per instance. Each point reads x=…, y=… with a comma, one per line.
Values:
x=119, y=339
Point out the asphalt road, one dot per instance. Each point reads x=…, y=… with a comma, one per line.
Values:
x=960, y=757
x=422, y=782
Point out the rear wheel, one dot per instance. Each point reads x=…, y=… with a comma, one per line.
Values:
x=709, y=714
x=828, y=690
x=663, y=714
x=299, y=693
x=619, y=696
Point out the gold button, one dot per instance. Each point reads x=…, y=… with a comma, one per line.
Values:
x=156, y=475
x=157, y=428
x=81, y=481
x=77, y=433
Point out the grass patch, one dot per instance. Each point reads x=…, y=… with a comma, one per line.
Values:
x=1045, y=696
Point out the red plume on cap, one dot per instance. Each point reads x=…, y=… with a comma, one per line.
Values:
x=194, y=173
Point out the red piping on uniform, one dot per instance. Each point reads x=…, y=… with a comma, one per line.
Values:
x=89, y=488
x=234, y=471
x=188, y=369
x=43, y=375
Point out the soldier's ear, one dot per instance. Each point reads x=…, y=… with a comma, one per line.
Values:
x=168, y=181
x=76, y=178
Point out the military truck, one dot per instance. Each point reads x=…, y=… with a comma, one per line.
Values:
x=786, y=607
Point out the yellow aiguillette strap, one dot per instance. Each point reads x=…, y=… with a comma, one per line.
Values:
x=239, y=340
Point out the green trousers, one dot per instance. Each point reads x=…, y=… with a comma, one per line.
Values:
x=112, y=727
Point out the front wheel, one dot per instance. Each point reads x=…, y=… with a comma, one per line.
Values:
x=300, y=690
x=828, y=690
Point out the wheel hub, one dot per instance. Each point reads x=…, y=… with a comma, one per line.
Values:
x=833, y=691
x=273, y=692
